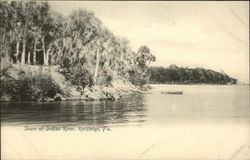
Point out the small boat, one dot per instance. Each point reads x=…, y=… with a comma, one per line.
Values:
x=171, y=92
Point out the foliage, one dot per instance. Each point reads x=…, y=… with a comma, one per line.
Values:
x=139, y=74
x=30, y=87
x=4, y=66
x=180, y=75
x=87, y=52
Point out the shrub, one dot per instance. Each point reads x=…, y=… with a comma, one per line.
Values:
x=138, y=78
x=10, y=86
x=29, y=87
x=82, y=78
x=76, y=73
x=65, y=63
x=109, y=79
x=4, y=65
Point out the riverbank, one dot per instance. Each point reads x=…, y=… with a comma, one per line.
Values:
x=114, y=91
x=39, y=83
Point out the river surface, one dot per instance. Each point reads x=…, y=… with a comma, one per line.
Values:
x=198, y=104
x=206, y=122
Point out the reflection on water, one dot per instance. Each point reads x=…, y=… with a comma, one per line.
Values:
x=198, y=104
x=128, y=109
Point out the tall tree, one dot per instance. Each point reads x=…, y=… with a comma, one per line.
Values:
x=26, y=21
x=144, y=56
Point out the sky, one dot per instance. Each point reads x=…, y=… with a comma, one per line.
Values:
x=213, y=34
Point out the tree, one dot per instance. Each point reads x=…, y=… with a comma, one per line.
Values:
x=79, y=43
x=174, y=74
x=98, y=52
x=26, y=18
x=139, y=74
x=10, y=29
x=46, y=30
x=144, y=56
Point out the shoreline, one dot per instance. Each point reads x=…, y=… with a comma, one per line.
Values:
x=95, y=93
x=116, y=90
x=64, y=90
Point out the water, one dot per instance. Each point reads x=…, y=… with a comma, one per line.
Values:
x=127, y=109
x=206, y=122
x=198, y=104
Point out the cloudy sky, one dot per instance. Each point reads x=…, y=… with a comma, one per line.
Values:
x=213, y=35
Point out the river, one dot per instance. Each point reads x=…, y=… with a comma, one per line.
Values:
x=199, y=103
x=206, y=121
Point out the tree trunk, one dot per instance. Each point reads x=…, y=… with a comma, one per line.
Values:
x=45, y=61
x=25, y=35
x=23, y=52
x=149, y=62
x=17, y=51
x=28, y=58
x=97, y=65
x=34, y=52
x=47, y=57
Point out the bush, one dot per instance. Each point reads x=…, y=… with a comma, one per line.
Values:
x=104, y=78
x=30, y=87
x=78, y=76
x=65, y=63
x=138, y=78
x=4, y=65
x=10, y=87
x=76, y=73
x=109, y=79
x=82, y=78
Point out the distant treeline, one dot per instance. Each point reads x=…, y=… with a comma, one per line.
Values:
x=180, y=75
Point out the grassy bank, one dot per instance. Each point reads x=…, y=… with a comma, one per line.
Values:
x=39, y=83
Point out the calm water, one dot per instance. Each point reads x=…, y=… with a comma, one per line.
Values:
x=198, y=104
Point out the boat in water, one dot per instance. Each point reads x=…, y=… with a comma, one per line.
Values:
x=171, y=92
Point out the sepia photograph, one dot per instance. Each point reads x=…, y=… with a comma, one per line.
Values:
x=136, y=80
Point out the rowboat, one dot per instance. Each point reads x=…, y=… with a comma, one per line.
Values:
x=171, y=92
